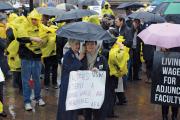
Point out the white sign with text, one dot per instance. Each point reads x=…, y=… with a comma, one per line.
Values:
x=86, y=89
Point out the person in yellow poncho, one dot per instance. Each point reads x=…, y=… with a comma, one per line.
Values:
x=31, y=35
x=49, y=55
x=14, y=60
x=106, y=9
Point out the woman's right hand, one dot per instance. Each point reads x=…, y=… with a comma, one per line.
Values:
x=81, y=56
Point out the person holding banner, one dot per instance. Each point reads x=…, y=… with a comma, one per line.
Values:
x=165, y=108
x=71, y=62
x=94, y=61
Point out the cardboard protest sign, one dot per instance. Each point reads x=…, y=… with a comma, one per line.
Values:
x=86, y=89
x=166, y=78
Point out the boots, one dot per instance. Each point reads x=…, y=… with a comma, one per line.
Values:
x=121, y=98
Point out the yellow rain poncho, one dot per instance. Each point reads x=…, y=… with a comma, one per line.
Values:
x=12, y=17
x=36, y=31
x=1, y=107
x=118, y=58
x=107, y=11
x=18, y=25
x=94, y=19
x=2, y=31
x=50, y=48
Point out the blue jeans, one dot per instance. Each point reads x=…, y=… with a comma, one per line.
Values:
x=31, y=69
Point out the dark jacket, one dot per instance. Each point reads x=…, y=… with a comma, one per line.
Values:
x=101, y=64
x=24, y=52
x=70, y=63
x=127, y=33
x=60, y=43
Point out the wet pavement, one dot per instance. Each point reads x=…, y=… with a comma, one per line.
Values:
x=138, y=107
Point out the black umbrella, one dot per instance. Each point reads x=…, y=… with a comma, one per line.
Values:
x=147, y=17
x=130, y=5
x=84, y=31
x=5, y=6
x=51, y=11
x=75, y=14
x=88, y=2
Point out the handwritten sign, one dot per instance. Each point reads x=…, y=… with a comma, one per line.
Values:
x=166, y=78
x=1, y=76
x=86, y=89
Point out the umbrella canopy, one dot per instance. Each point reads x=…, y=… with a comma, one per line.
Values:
x=162, y=35
x=51, y=11
x=75, y=14
x=130, y=5
x=84, y=31
x=5, y=6
x=88, y=2
x=173, y=8
x=147, y=17
x=157, y=2
x=66, y=6
x=167, y=8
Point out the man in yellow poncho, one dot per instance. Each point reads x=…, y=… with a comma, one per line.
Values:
x=32, y=36
x=106, y=9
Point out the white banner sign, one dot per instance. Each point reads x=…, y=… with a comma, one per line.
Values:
x=86, y=89
x=1, y=76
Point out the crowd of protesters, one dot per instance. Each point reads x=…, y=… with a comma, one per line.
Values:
x=29, y=48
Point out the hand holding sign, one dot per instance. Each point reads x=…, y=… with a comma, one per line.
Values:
x=86, y=89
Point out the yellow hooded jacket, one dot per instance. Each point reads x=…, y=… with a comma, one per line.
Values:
x=36, y=31
x=107, y=11
x=14, y=60
x=118, y=58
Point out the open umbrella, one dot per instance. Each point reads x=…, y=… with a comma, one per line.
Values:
x=88, y=2
x=164, y=35
x=147, y=17
x=130, y=5
x=51, y=11
x=75, y=14
x=84, y=31
x=173, y=8
x=66, y=6
x=168, y=7
x=5, y=6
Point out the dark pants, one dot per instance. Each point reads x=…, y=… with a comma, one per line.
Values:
x=165, y=111
x=92, y=114
x=136, y=63
x=1, y=92
x=113, y=83
x=149, y=66
x=17, y=79
x=121, y=97
x=51, y=66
